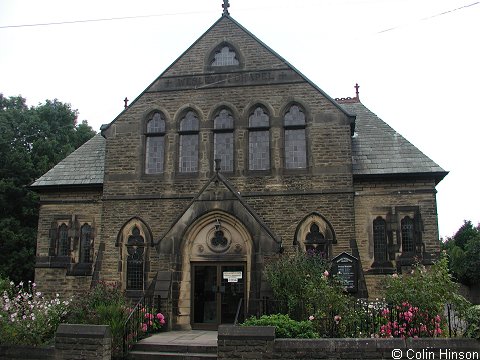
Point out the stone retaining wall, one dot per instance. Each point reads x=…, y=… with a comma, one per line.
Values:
x=260, y=343
x=72, y=342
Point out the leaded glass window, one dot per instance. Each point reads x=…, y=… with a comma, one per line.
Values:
x=85, y=243
x=408, y=241
x=380, y=239
x=189, y=143
x=295, y=139
x=135, y=260
x=223, y=142
x=155, y=146
x=315, y=242
x=63, y=245
x=226, y=56
x=259, y=140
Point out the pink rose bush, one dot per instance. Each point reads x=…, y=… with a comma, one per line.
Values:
x=409, y=321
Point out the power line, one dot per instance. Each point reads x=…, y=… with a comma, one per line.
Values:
x=98, y=20
x=433, y=16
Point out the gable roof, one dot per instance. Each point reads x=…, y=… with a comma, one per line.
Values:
x=215, y=179
x=84, y=166
x=378, y=150
x=227, y=17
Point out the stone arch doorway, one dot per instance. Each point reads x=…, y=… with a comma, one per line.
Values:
x=216, y=267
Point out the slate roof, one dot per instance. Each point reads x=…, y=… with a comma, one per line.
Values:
x=377, y=149
x=84, y=166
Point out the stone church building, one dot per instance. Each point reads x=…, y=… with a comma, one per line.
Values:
x=229, y=158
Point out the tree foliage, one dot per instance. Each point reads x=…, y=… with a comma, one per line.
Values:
x=463, y=251
x=32, y=140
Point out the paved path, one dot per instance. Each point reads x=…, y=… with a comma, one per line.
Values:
x=190, y=337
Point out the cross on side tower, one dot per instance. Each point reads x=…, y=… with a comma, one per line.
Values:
x=225, y=7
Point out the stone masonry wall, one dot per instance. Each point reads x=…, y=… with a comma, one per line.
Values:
x=72, y=342
x=84, y=205
x=377, y=198
x=259, y=343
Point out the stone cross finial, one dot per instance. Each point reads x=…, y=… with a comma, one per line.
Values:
x=126, y=102
x=356, y=91
x=225, y=7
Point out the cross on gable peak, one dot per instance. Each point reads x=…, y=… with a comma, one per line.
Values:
x=225, y=7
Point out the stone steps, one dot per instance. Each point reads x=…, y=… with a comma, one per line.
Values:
x=173, y=352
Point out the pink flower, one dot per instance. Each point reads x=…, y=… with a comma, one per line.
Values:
x=337, y=318
x=160, y=317
x=144, y=327
x=325, y=273
x=311, y=318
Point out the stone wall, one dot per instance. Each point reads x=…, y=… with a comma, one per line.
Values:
x=72, y=342
x=260, y=343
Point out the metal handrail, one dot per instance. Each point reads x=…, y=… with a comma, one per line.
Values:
x=138, y=324
x=235, y=323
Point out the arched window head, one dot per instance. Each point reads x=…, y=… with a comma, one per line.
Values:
x=295, y=138
x=225, y=56
x=294, y=116
x=223, y=140
x=379, y=240
x=189, y=143
x=259, y=140
x=155, y=144
x=315, y=235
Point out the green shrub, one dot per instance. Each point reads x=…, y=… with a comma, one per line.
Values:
x=104, y=304
x=302, y=282
x=285, y=327
x=472, y=318
x=428, y=289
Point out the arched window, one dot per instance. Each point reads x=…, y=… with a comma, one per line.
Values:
x=408, y=241
x=259, y=140
x=295, y=141
x=380, y=239
x=189, y=128
x=225, y=56
x=135, y=260
x=155, y=144
x=85, y=244
x=223, y=146
x=63, y=243
x=315, y=241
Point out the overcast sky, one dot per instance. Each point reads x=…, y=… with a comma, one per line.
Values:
x=416, y=61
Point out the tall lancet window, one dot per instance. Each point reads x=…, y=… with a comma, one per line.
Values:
x=259, y=140
x=135, y=260
x=379, y=240
x=223, y=144
x=295, y=140
x=63, y=243
x=85, y=244
x=189, y=129
x=155, y=145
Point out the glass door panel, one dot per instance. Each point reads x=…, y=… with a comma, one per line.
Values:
x=232, y=289
x=217, y=289
x=205, y=294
